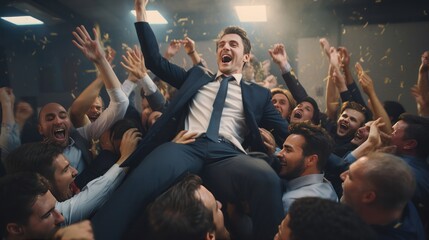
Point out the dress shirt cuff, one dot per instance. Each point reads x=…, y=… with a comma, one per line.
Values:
x=128, y=86
x=286, y=68
x=149, y=87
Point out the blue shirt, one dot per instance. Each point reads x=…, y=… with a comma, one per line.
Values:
x=312, y=185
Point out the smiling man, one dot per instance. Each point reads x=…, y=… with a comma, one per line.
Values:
x=48, y=161
x=225, y=113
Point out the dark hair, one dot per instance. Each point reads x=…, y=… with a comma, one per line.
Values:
x=312, y=218
x=240, y=32
x=180, y=214
x=356, y=106
x=18, y=193
x=118, y=129
x=418, y=129
x=392, y=179
x=317, y=141
x=316, y=112
x=33, y=157
x=394, y=110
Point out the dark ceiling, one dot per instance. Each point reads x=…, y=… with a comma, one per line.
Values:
x=200, y=16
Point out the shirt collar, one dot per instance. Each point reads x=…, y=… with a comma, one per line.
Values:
x=237, y=76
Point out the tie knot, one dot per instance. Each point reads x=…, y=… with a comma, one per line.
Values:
x=227, y=78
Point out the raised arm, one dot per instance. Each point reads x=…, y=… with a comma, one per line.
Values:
x=83, y=102
x=377, y=109
x=423, y=85
x=91, y=48
x=279, y=56
x=190, y=49
x=10, y=134
x=332, y=96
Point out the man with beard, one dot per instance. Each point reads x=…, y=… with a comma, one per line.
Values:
x=302, y=161
x=54, y=121
x=28, y=211
x=49, y=161
x=379, y=187
x=187, y=211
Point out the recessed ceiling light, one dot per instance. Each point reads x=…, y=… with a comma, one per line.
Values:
x=23, y=20
x=153, y=17
x=256, y=13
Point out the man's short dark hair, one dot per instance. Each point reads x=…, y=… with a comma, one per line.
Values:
x=18, y=193
x=317, y=141
x=418, y=129
x=357, y=107
x=33, y=157
x=180, y=214
x=312, y=218
x=240, y=32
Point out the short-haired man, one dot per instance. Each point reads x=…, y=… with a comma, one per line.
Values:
x=28, y=210
x=225, y=113
x=379, y=188
x=411, y=137
x=312, y=218
x=187, y=211
x=49, y=161
x=302, y=160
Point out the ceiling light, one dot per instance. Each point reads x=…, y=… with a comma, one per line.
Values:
x=153, y=16
x=23, y=20
x=252, y=13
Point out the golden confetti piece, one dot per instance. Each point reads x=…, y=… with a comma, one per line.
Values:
x=33, y=53
x=361, y=60
x=73, y=96
x=166, y=38
x=54, y=34
x=377, y=1
x=402, y=68
x=382, y=31
x=387, y=80
x=182, y=20
x=383, y=58
x=344, y=31
x=366, y=24
x=402, y=84
x=169, y=31
x=91, y=71
x=399, y=97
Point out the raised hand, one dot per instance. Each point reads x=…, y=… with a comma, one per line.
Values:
x=91, y=48
x=189, y=45
x=129, y=143
x=184, y=137
x=23, y=112
x=344, y=58
x=365, y=80
x=134, y=63
x=325, y=46
x=7, y=96
x=424, y=66
x=173, y=48
x=110, y=54
x=278, y=54
x=268, y=140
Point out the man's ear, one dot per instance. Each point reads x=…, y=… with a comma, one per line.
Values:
x=246, y=58
x=210, y=236
x=312, y=160
x=14, y=229
x=369, y=197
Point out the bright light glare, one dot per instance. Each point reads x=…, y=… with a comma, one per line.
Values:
x=153, y=17
x=23, y=20
x=252, y=13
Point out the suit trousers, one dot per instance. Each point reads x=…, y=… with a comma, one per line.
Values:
x=165, y=165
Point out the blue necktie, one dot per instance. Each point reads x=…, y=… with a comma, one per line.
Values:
x=213, y=128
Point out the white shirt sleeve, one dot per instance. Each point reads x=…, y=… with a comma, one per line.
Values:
x=148, y=85
x=116, y=110
x=128, y=86
x=82, y=205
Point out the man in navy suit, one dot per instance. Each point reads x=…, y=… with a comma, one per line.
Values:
x=157, y=163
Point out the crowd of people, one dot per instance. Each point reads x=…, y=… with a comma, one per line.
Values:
x=232, y=154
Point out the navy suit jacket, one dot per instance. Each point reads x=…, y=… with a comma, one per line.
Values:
x=258, y=109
